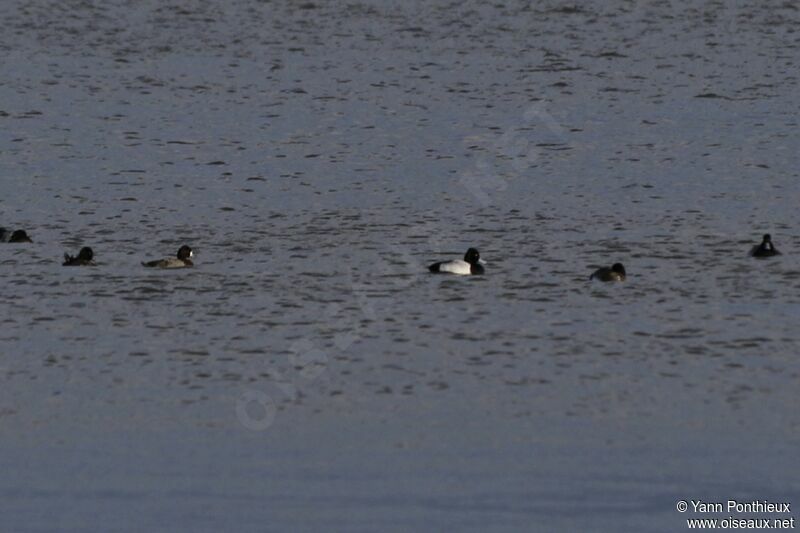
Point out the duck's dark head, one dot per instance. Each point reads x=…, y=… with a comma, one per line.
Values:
x=184, y=252
x=472, y=256
x=618, y=268
x=86, y=254
x=767, y=238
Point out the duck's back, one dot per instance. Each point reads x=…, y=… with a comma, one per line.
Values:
x=607, y=274
x=172, y=262
x=763, y=251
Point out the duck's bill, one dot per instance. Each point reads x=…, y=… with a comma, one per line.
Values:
x=482, y=262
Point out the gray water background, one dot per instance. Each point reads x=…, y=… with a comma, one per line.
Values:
x=308, y=374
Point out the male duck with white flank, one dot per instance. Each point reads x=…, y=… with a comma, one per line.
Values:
x=471, y=264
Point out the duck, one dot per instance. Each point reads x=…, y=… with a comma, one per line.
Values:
x=84, y=258
x=615, y=273
x=472, y=264
x=765, y=249
x=181, y=261
x=16, y=236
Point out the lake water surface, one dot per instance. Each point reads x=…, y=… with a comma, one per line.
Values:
x=308, y=374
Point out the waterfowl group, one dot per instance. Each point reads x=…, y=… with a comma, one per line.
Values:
x=85, y=256
x=472, y=264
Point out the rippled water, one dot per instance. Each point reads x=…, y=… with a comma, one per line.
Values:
x=309, y=373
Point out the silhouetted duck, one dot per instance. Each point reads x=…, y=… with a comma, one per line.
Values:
x=84, y=258
x=615, y=273
x=471, y=264
x=16, y=236
x=181, y=261
x=765, y=249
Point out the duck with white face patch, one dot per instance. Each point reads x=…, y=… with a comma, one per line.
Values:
x=765, y=249
x=615, y=273
x=182, y=260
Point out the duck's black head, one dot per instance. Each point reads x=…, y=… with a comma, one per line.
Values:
x=20, y=236
x=618, y=268
x=472, y=256
x=767, y=238
x=86, y=254
x=184, y=252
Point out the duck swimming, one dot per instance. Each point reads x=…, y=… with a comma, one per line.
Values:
x=181, y=261
x=16, y=236
x=615, y=273
x=471, y=264
x=84, y=258
x=765, y=249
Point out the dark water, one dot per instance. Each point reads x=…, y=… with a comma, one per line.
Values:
x=308, y=374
